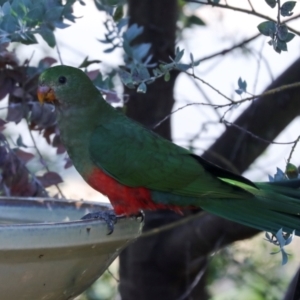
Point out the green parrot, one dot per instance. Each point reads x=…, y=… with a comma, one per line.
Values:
x=139, y=170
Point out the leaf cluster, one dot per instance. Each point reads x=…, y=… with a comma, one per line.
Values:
x=277, y=31
x=19, y=83
x=139, y=76
x=20, y=20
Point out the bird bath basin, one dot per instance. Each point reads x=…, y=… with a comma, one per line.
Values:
x=48, y=253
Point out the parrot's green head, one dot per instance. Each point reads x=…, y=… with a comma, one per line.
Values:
x=64, y=85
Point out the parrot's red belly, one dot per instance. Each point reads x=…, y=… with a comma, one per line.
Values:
x=125, y=200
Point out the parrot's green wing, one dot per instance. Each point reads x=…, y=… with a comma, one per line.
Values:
x=139, y=158
x=136, y=157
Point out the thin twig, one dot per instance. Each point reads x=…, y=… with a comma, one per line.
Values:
x=292, y=150
x=200, y=274
x=259, y=60
x=278, y=12
x=112, y=275
x=250, y=3
x=212, y=87
x=234, y=102
x=258, y=137
x=41, y=157
x=205, y=96
x=227, y=50
x=169, y=226
x=242, y=10
x=58, y=53
x=196, y=280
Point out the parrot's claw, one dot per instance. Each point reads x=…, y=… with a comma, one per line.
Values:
x=139, y=216
x=108, y=216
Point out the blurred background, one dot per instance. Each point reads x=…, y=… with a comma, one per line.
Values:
x=223, y=37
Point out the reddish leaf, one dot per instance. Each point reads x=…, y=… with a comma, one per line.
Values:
x=20, y=142
x=111, y=97
x=6, y=86
x=23, y=155
x=2, y=124
x=47, y=132
x=56, y=141
x=46, y=62
x=18, y=92
x=60, y=149
x=3, y=156
x=92, y=74
x=42, y=115
x=15, y=112
x=57, y=144
x=49, y=178
x=8, y=58
x=15, y=74
x=68, y=163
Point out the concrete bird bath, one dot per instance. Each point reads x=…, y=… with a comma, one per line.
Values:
x=48, y=253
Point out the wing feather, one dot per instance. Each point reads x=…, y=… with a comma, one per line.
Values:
x=137, y=157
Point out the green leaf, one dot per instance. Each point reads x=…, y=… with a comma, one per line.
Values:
x=281, y=45
x=291, y=171
x=9, y=24
x=48, y=36
x=267, y=28
x=242, y=86
x=142, y=88
x=289, y=37
x=140, y=51
x=286, y=8
x=54, y=14
x=178, y=55
x=271, y=3
x=35, y=14
x=18, y=9
x=182, y=67
x=125, y=76
x=61, y=25
x=282, y=32
x=127, y=48
x=86, y=62
x=143, y=73
x=157, y=72
x=20, y=142
x=118, y=13
x=109, y=50
x=194, y=20
x=123, y=22
x=132, y=32
x=6, y=8
x=167, y=76
x=276, y=49
x=27, y=38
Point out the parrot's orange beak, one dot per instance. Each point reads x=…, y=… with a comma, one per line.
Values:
x=46, y=94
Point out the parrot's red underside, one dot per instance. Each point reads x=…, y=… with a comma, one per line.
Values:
x=125, y=200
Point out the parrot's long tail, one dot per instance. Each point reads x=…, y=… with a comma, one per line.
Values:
x=274, y=206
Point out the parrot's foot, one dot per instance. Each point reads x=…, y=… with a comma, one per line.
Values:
x=140, y=216
x=108, y=216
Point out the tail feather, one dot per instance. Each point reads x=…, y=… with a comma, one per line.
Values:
x=275, y=206
x=255, y=215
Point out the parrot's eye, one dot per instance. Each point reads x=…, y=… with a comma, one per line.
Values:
x=62, y=79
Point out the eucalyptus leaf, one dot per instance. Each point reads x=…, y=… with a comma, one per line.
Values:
x=287, y=8
x=271, y=3
x=142, y=88
x=267, y=28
